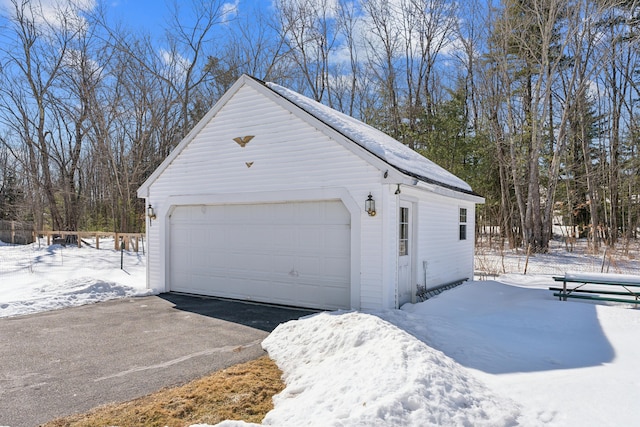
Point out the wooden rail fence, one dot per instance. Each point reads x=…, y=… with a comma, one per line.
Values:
x=131, y=240
x=16, y=232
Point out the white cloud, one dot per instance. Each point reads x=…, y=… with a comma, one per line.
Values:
x=229, y=10
x=55, y=14
x=77, y=61
x=176, y=65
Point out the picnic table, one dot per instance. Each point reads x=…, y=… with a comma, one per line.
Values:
x=599, y=287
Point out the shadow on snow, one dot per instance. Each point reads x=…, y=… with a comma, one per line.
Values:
x=497, y=328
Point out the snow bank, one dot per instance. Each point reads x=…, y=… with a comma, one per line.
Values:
x=365, y=371
x=355, y=369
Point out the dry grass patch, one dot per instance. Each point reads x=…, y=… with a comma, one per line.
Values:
x=241, y=392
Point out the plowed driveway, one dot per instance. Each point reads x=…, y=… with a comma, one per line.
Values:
x=69, y=361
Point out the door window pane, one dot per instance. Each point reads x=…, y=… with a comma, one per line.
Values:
x=403, y=243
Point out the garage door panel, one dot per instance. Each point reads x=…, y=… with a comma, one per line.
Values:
x=218, y=260
x=280, y=214
x=309, y=214
x=308, y=265
x=282, y=236
x=285, y=253
x=336, y=268
x=283, y=263
x=334, y=239
x=259, y=262
x=236, y=214
x=337, y=217
x=310, y=238
x=194, y=282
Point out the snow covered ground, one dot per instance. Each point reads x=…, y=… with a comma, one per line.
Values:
x=501, y=352
x=487, y=353
x=36, y=277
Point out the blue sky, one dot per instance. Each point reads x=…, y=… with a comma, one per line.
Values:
x=142, y=15
x=151, y=14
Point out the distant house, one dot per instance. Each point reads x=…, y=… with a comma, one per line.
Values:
x=271, y=198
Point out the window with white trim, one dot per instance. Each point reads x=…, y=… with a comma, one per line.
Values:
x=462, y=222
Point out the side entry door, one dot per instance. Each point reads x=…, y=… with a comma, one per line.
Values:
x=405, y=253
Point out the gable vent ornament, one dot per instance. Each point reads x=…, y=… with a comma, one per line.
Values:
x=243, y=140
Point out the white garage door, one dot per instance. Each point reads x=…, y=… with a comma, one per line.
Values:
x=284, y=253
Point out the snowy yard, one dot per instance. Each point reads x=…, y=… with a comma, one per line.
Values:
x=501, y=352
x=37, y=277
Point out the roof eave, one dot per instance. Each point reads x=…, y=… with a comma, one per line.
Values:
x=401, y=171
x=440, y=184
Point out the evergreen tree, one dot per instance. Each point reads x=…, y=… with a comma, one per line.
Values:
x=11, y=197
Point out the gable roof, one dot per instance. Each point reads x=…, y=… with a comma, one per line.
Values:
x=378, y=143
x=389, y=150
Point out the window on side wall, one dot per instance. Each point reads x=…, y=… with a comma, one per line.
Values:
x=462, y=221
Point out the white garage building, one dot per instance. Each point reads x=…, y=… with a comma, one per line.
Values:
x=266, y=200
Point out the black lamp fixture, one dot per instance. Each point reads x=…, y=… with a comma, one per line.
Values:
x=150, y=212
x=370, y=205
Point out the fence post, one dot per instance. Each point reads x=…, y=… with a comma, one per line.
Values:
x=121, y=254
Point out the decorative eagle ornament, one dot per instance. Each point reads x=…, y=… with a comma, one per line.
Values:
x=243, y=140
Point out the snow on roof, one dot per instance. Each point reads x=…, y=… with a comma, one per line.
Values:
x=376, y=142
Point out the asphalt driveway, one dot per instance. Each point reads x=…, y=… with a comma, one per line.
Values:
x=68, y=361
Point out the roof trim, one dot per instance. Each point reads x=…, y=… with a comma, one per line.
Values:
x=245, y=79
x=399, y=169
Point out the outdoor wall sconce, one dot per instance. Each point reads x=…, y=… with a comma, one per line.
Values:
x=370, y=205
x=151, y=213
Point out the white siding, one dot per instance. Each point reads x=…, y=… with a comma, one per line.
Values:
x=435, y=234
x=155, y=273
x=286, y=154
x=448, y=258
x=289, y=157
x=390, y=244
x=294, y=158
